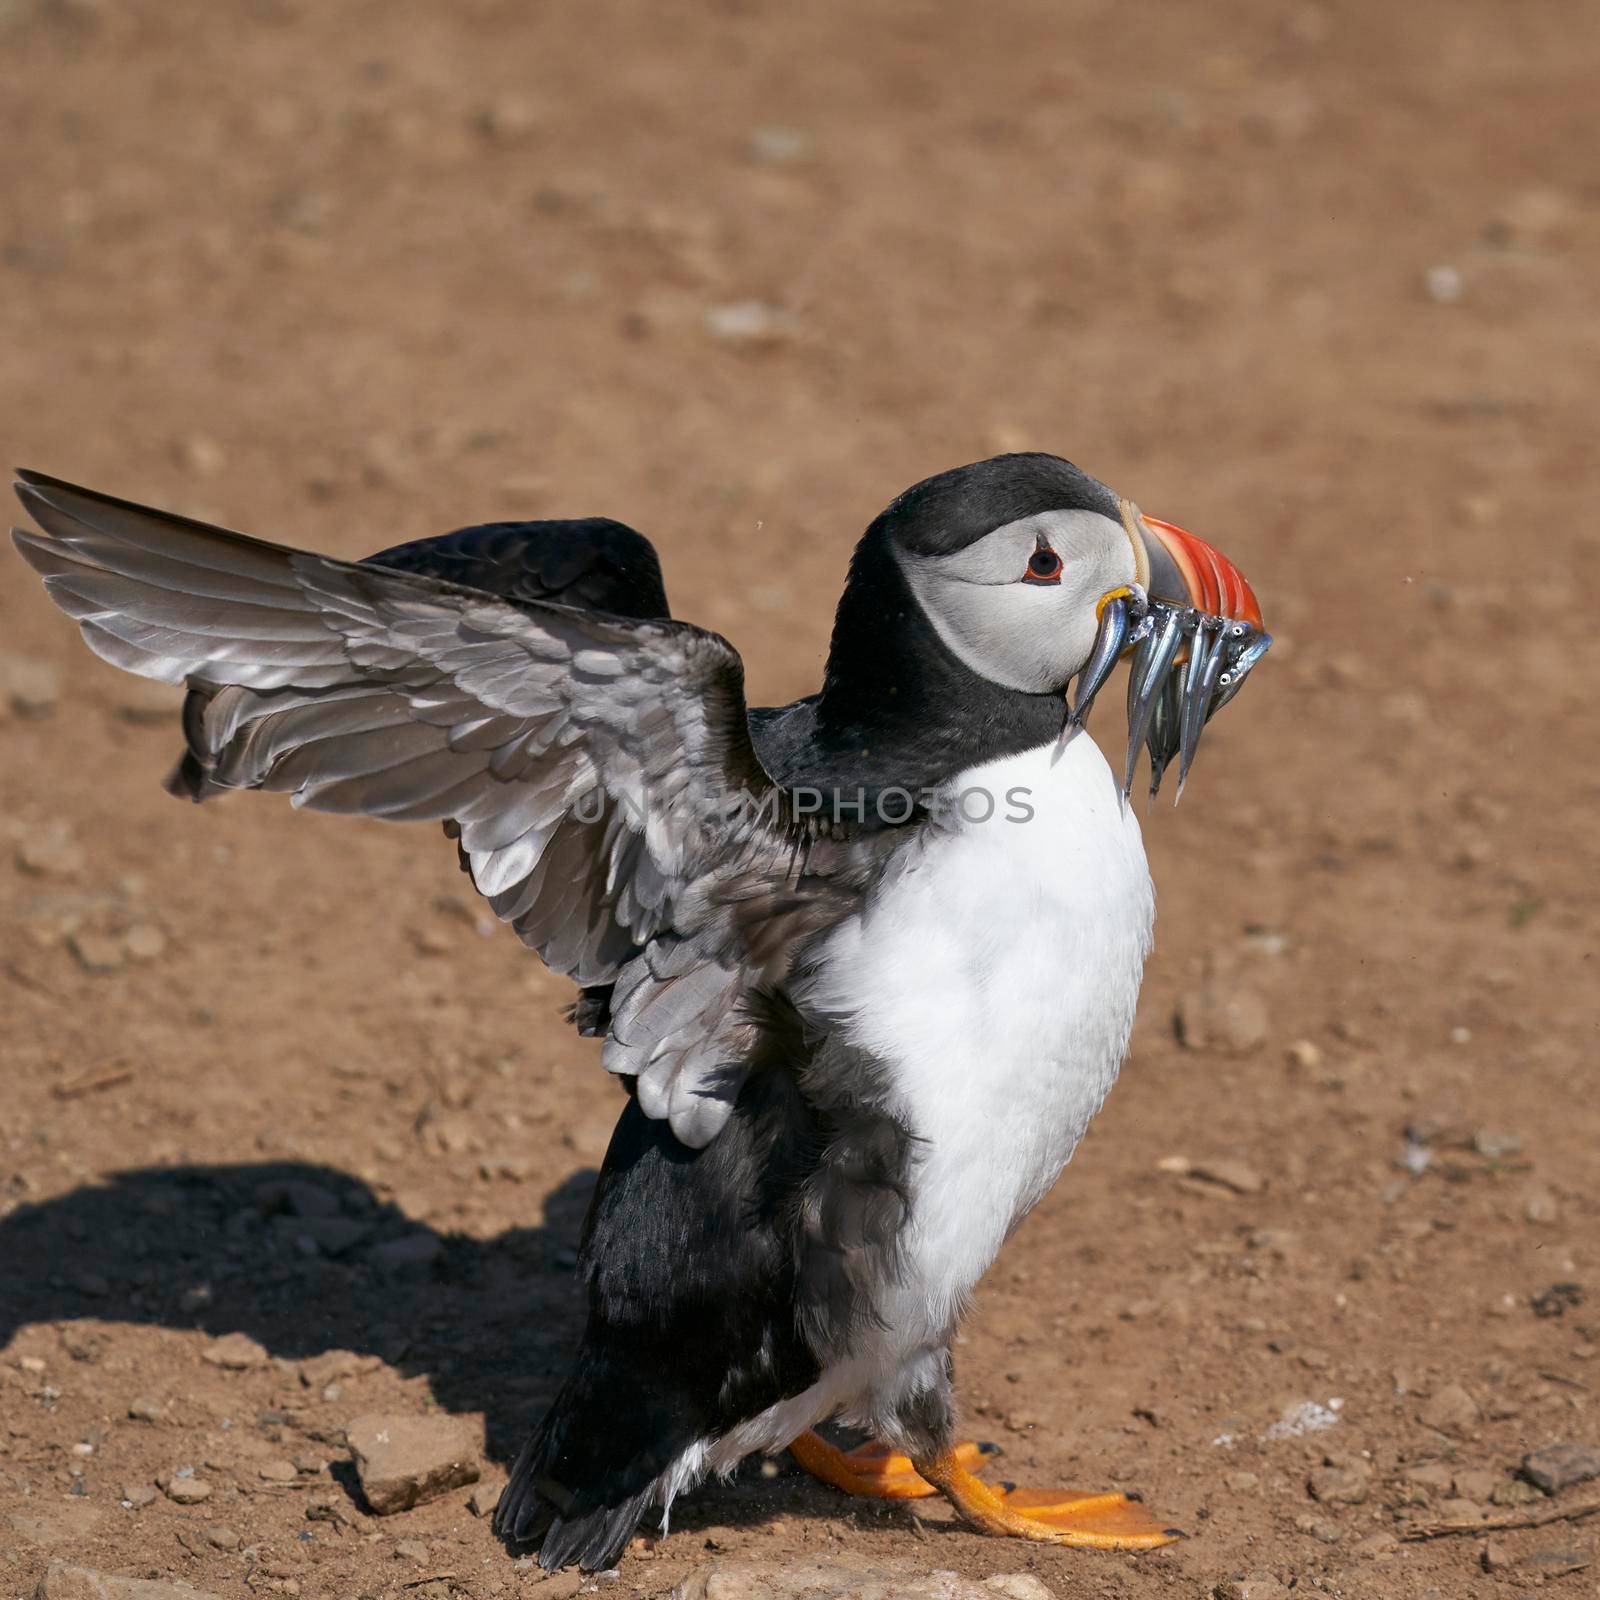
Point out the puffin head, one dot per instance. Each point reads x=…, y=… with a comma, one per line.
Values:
x=1033, y=573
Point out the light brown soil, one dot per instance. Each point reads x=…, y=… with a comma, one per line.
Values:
x=344, y=274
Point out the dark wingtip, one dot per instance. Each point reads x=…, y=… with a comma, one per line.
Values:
x=27, y=483
x=188, y=780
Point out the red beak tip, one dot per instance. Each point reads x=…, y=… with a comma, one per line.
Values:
x=1215, y=584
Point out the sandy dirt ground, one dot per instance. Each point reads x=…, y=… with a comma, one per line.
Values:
x=1316, y=280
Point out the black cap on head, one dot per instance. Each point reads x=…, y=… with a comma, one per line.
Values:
x=947, y=512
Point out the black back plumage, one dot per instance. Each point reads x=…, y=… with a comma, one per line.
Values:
x=591, y=562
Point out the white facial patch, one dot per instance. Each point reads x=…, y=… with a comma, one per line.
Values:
x=1027, y=636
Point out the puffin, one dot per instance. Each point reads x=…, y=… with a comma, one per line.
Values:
x=865, y=965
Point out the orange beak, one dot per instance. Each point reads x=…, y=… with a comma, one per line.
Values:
x=1188, y=571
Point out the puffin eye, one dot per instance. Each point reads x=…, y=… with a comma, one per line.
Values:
x=1044, y=566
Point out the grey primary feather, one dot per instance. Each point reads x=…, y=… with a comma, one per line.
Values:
x=584, y=761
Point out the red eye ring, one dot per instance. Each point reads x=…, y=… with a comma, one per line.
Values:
x=1044, y=566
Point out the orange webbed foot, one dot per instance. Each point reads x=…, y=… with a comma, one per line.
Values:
x=1075, y=1518
x=874, y=1470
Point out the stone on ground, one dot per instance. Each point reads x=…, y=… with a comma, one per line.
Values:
x=62, y=1582
x=1559, y=1466
x=486, y=1497
x=403, y=1461
x=1250, y=1586
x=234, y=1352
x=823, y=1580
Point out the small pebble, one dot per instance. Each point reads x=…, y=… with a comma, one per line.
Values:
x=332, y=1365
x=1476, y=1484
x=330, y=1507
x=1558, y=1466
x=1444, y=284
x=1495, y=1143
x=198, y=454
x=750, y=322
x=1497, y=1556
x=51, y=853
x=1238, y=1176
x=144, y=942
x=482, y=1501
x=1557, y=1300
x=1018, y=1586
x=234, y=1352
x=186, y=1491
x=1515, y=1492
x=1227, y=1018
x=1431, y=1475
x=411, y=1251
x=1250, y=1586
x=28, y=687
x=507, y=121
x=1319, y=1528
x=1340, y=1481
x=96, y=953
x=1451, y=1410
x=776, y=146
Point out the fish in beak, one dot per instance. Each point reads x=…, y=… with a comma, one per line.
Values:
x=1193, y=626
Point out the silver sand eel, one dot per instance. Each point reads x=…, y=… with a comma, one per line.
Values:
x=1173, y=691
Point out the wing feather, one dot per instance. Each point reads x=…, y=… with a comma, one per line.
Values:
x=587, y=763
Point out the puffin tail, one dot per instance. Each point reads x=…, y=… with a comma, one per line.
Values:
x=593, y=1468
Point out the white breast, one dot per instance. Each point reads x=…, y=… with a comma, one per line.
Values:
x=996, y=972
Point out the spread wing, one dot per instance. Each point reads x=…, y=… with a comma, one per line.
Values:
x=597, y=769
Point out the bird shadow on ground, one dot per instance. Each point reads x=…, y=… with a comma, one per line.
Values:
x=306, y=1259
